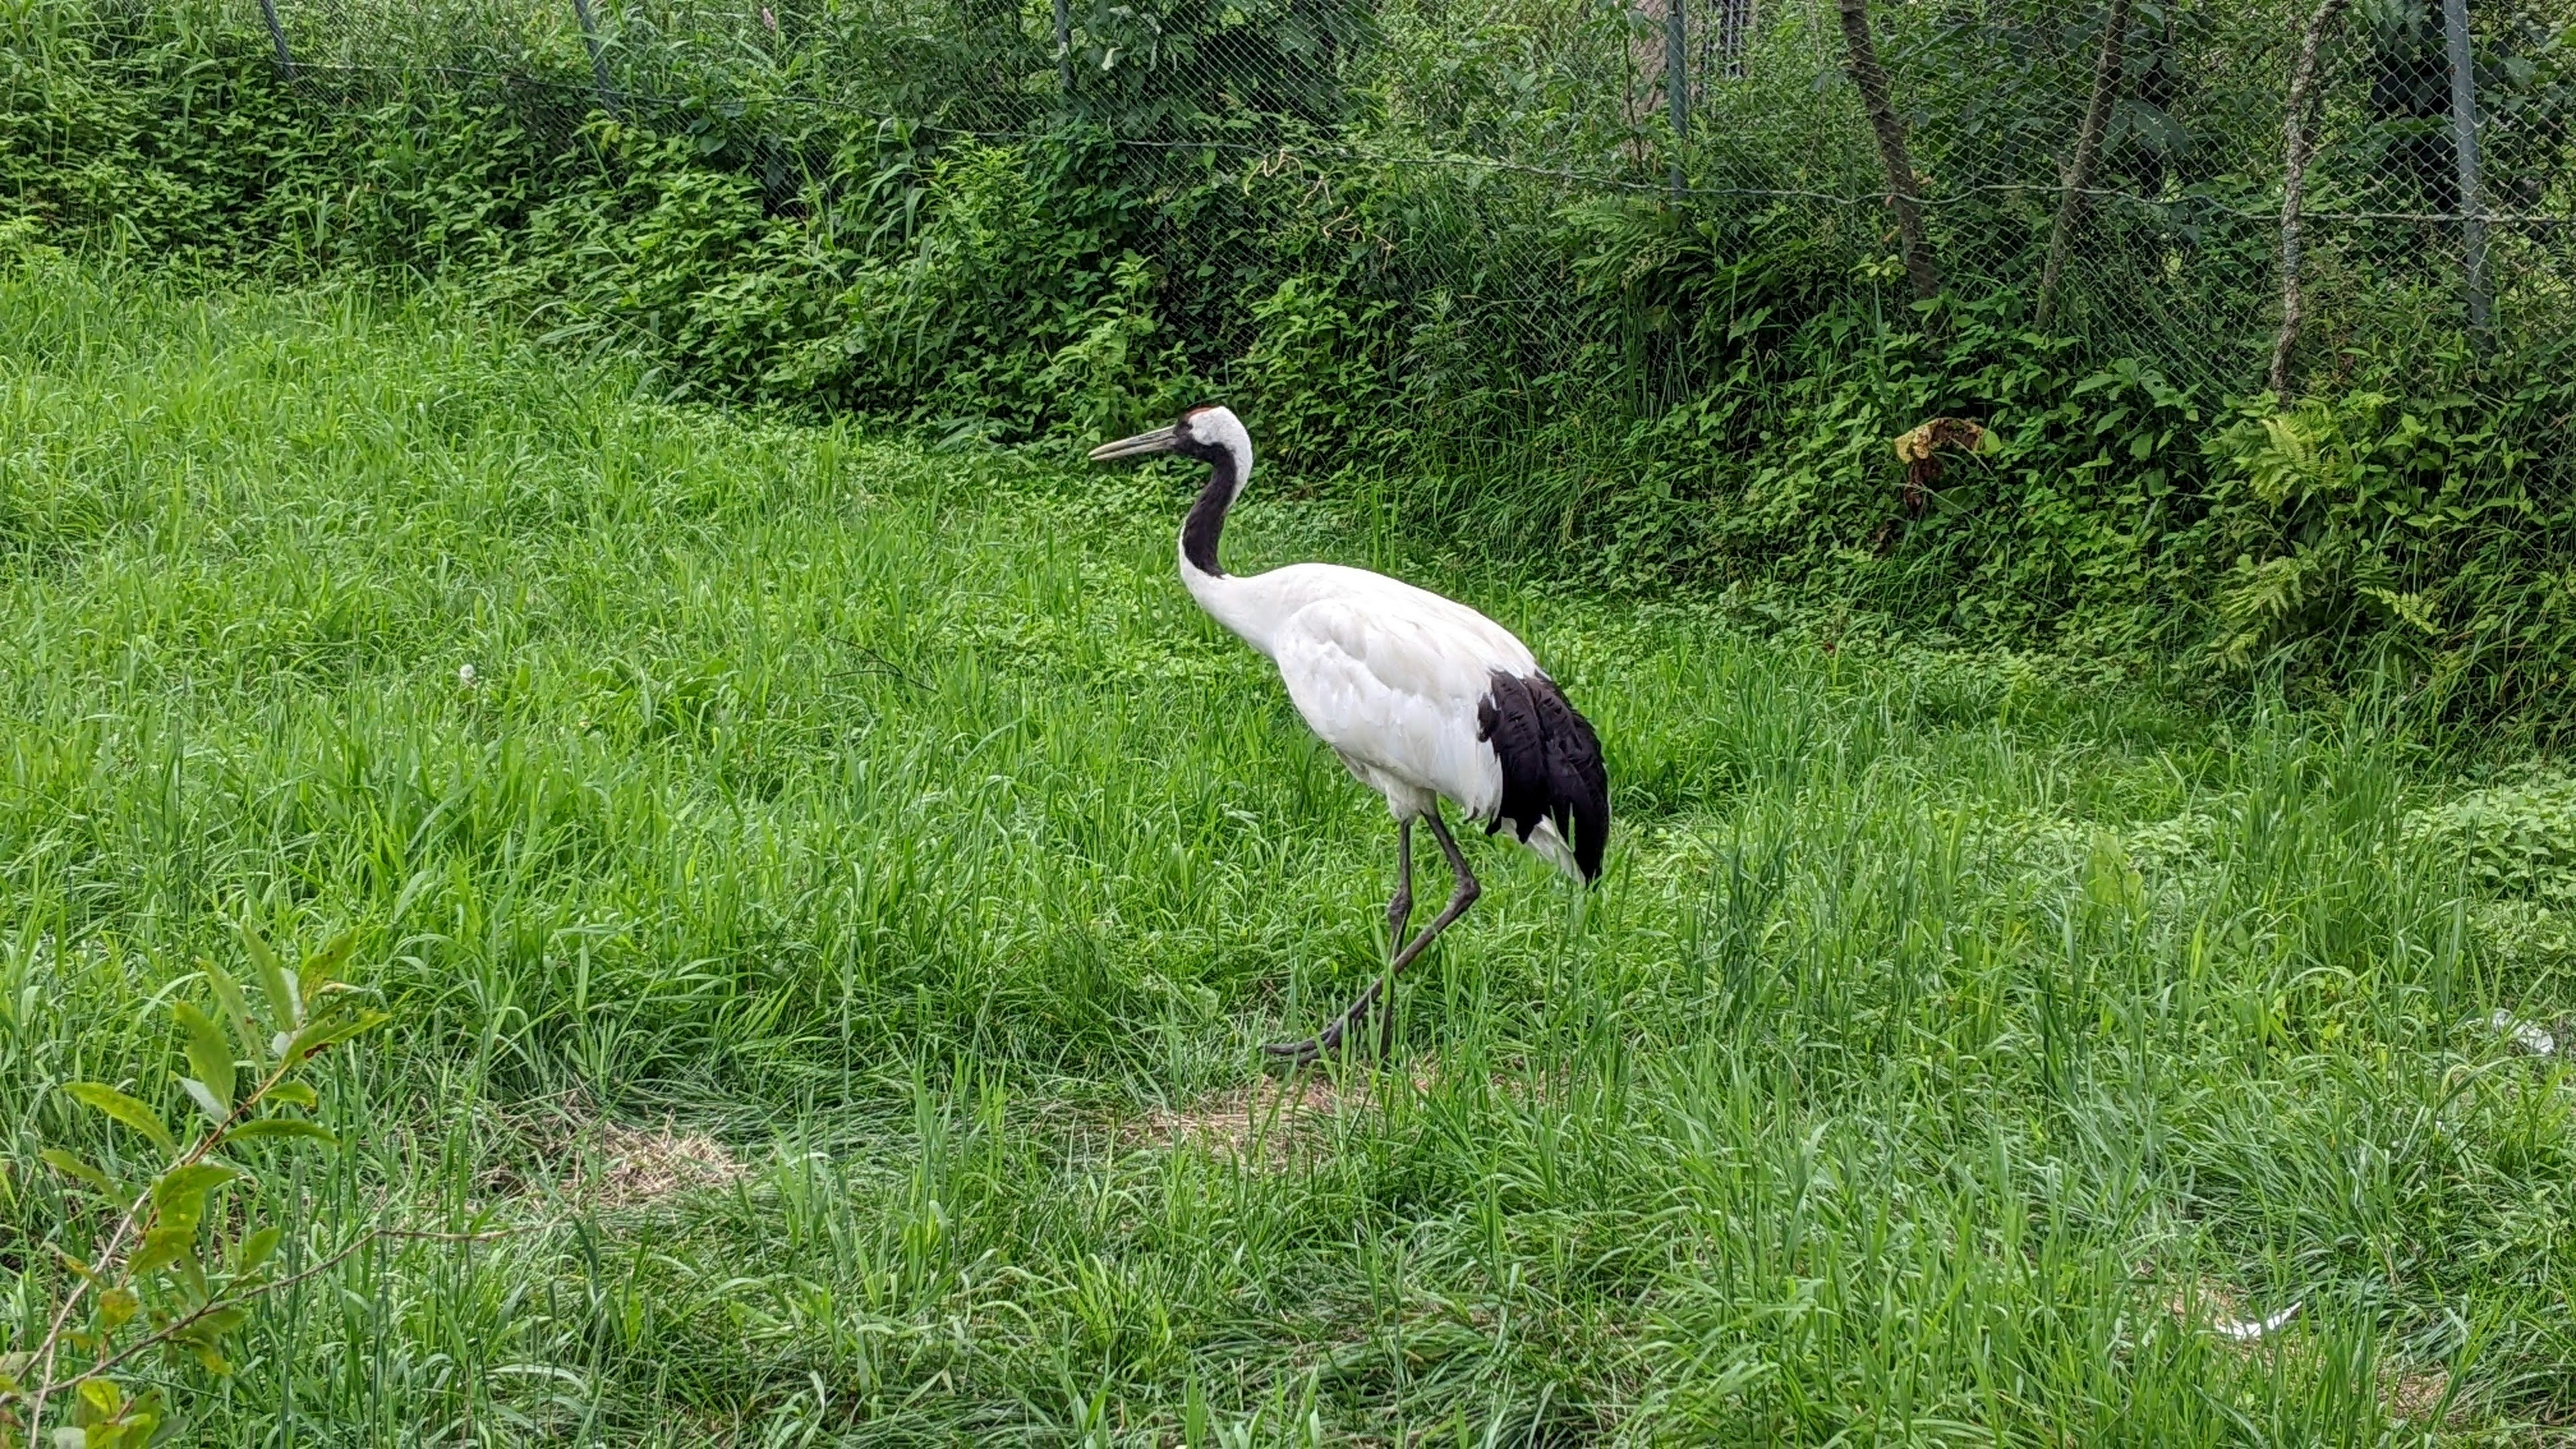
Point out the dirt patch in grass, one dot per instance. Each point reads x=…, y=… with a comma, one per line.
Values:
x=644, y=1164
x=1273, y=1119
x=1276, y=1116
x=2409, y=1393
x=562, y=1146
x=1266, y=1122
x=2414, y=1395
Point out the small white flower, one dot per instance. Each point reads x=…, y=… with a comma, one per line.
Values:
x=465, y=675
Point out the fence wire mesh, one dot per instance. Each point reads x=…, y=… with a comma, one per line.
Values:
x=1444, y=150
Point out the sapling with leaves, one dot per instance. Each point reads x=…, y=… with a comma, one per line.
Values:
x=171, y=1267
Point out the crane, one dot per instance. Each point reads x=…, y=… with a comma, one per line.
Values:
x=1424, y=699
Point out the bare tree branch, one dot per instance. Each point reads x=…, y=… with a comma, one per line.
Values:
x=1871, y=77
x=2088, y=144
x=2297, y=146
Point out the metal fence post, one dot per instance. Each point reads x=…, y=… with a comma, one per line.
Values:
x=1677, y=79
x=598, y=56
x=1734, y=28
x=277, y=37
x=2473, y=208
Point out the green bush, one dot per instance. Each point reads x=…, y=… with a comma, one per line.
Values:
x=1632, y=393
x=154, y=1256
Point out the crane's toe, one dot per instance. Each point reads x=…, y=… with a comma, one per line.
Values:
x=1324, y=1043
x=1295, y=1053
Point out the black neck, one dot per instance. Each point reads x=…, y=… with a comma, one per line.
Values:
x=1207, y=516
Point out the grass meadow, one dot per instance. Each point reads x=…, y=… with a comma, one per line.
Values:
x=830, y=894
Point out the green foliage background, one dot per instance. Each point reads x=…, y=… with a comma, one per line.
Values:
x=1953, y=1042
x=873, y=216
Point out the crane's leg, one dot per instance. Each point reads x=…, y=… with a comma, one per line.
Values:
x=1399, y=914
x=1399, y=911
x=1299, y=1053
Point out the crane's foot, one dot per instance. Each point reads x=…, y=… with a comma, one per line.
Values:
x=1294, y=1054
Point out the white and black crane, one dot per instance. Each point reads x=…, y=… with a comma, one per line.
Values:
x=1423, y=698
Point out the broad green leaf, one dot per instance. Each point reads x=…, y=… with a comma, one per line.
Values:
x=124, y=1109
x=162, y=1247
x=116, y=1307
x=196, y=1177
x=209, y=1055
x=323, y=967
x=271, y=1129
x=322, y=1035
x=72, y=1166
x=179, y=1198
x=214, y=1108
x=257, y=1249
x=297, y=1094
x=208, y=1328
x=235, y=1007
x=275, y=981
x=102, y=1397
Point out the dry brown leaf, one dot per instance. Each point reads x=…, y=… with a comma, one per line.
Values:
x=1920, y=451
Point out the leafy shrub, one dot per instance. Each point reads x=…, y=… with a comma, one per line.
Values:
x=2513, y=845
x=2431, y=531
x=1629, y=392
x=153, y=1260
x=1316, y=373
x=2515, y=840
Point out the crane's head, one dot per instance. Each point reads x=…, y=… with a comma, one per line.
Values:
x=1209, y=434
x=1214, y=436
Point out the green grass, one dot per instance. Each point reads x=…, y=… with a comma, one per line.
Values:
x=1947, y=1045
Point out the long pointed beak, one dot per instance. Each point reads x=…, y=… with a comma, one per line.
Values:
x=1161, y=440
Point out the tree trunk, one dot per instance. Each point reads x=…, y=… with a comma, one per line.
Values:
x=1871, y=77
x=2296, y=146
x=2079, y=172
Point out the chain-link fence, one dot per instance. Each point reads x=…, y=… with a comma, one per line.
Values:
x=2111, y=170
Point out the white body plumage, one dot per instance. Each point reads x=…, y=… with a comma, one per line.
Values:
x=1400, y=682
x=1423, y=698
x=1392, y=677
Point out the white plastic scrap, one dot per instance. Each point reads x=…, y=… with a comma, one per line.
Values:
x=2253, y=1328
x=2530, y=1036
